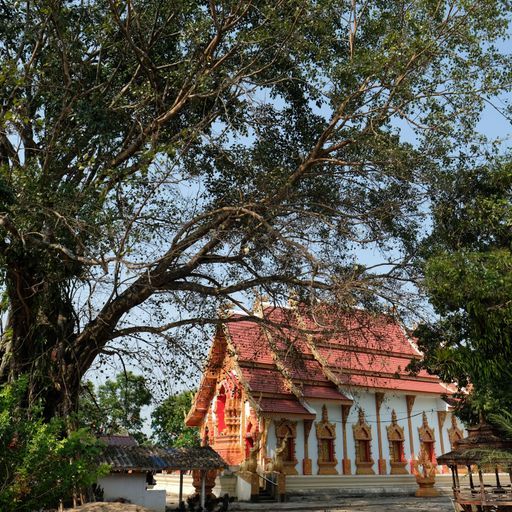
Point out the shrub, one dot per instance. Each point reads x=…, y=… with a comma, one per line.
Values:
x=41, y=463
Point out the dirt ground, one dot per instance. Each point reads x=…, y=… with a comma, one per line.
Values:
x=108, y=507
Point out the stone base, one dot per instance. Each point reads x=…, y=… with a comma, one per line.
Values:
x=398, y=468
x=289, y=468
x=346, y=466
x=307, y=467
x=364, y=468
x=382, y=467
x=327, y=468
x=426, y=488
x=281, y=486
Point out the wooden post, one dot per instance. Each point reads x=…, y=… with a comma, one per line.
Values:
x=203, y=488
x=498, y=484
x=379, y=398
x=482, y=488
x=181, y=488
x=307, y=466
x=410, y=404
x=470, y=473
x=441, y=417
x=345, y=410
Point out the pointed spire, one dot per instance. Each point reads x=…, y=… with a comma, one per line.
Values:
x=361, y=416
x=325, y=417
x=393, y=417
x=425, y=421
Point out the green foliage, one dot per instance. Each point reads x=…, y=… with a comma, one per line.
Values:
x=468, y=278
x=168, y=421
x=115, y=408
x=40, y=463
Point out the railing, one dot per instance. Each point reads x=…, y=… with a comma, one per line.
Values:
x=269, y=483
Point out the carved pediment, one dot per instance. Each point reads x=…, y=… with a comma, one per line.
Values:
x=395, y=431
x=425, y=432
x=455, y=434
x=362, y=431
x=324, y=429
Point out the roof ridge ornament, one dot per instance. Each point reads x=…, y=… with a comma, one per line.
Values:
x=260, y=303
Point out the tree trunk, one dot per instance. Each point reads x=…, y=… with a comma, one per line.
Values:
x=39, y=340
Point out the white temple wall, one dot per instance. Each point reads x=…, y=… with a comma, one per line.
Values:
x=271, y=439
x=366, y=400
x=299, y=446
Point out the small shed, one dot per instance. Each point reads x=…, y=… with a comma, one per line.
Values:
x=132, y=467
x=484, y=447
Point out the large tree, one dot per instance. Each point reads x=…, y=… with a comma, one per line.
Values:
x=468, y=278
x=158, y=159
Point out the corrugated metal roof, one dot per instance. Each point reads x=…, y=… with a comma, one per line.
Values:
x=144, y=458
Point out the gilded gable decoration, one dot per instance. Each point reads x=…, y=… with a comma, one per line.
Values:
x=396, y=440
x=363, y=440
x=326, y=437
x=286, y=429
x=427, y=438
x=455, y=434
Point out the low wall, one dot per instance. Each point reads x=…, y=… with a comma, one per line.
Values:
x=170, y=482
x=132, y=487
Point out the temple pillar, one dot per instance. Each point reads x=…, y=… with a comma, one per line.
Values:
x=441, y=418
x=410, y=404
x=209, y=480
x=381, y=464
x=307, y=466
x=345, y=462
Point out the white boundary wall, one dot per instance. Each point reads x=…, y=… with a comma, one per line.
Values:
x=132, y=487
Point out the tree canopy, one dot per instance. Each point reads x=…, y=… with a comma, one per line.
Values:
x=468, y=277
x=168, y=421
x=159, y=159
x=115, y=407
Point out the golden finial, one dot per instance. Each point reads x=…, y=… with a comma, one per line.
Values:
x=293, y=300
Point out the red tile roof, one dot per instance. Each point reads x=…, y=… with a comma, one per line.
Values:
x=361, y=349
x=323, y=392
x=280, y=363
x=283, y=406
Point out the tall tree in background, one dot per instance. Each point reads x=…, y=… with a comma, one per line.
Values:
x=115, y=407
x=168, y=421
x=158, y=159
x=468, y=277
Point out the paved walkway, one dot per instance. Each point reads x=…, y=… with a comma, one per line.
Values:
x=368, y=504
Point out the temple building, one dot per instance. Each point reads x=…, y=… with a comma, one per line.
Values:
x=336, y=389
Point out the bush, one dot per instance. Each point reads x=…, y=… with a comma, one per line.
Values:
x=40, y=463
